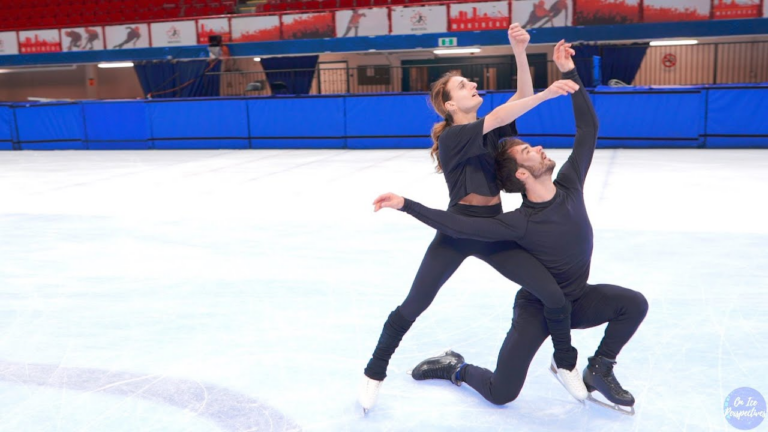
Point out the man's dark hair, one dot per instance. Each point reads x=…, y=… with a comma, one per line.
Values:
x=506, y=166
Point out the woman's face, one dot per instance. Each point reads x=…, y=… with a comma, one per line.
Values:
x=464, y=95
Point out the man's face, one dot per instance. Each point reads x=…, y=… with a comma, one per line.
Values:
x=533, y=159
x=464, y=95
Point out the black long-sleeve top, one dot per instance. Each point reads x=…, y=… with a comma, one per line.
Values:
x=557, y=232
x=466, y=156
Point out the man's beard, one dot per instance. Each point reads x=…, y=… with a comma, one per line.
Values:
x=546, y=167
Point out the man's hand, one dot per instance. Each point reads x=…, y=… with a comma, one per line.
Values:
x=388, y=200
x=518, y=38
x=560, y=88
x=562, y=56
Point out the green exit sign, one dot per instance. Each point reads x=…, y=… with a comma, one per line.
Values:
x=447, y=42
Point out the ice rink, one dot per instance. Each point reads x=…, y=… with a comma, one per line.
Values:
x=245, y=291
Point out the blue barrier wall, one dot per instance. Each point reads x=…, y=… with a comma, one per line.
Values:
x=7, y=125
x=691, y=117
x=117, y=125
x=737, y=117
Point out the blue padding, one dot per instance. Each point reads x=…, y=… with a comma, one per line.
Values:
x=56, y=145
x=4, y=145
x=198, y=119
x=737, y=142
x=6, y=124
x=50, y=122
x=389, y=143
x=400, y=115
x=497, y=99
x=552, y=117
x=119, y=145
x=200, y=144
x=297, y=117
x=649, y=115
x=107, y=121
x=640, y=143
x=299, y=143
x=738, y=112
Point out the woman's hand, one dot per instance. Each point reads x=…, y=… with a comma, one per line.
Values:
x=388, y=200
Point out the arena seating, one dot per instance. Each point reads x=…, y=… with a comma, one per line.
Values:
x=16, y=14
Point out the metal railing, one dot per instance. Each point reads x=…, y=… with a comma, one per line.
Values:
x=376, y=78
x=702, y=64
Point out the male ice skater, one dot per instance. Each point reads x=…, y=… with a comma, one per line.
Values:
x=552, y=224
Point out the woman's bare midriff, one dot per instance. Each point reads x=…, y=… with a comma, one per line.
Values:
x=479, y=200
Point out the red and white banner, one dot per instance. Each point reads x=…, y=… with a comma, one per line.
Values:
x=479, y=16
x=309, y=26
x=675, y=10
x=362, y=22
x=765, y=8
x=422, y=19
x=256, y=29
x=213, y=26
x=731, y=9
x=82, y=39
x=601, y=12
x=9, y=44
x=542, y=13
x=127, y=36
x=39, y=41
x=174, y=33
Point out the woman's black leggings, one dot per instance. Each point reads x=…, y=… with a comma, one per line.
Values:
x=623, y=309
x=441, y=260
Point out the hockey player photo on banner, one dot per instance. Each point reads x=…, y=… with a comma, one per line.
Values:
x=542, y=13
x=362, y=22
x=256, y=29
x=213, y=26
x=9, y=44
x=419, y=19
x=732, y=9
x=675, y=10
x=127, y=36
x=39, y=41
x=600, y=12
x=174, y=33
x=309, y=26
x=479, y=16
x=82, y=39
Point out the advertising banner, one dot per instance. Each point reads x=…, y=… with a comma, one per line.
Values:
x=213, y=26
x=598, y=12
x=362, y=22
x=174, y=33
x=309, y=26
x=479, y=16
x=9, y=44
x=39, y=41
x=82, y=39
x=732, y=9
x=422, y=19
x=256, y=29
x=543, y=13
x=127, y=36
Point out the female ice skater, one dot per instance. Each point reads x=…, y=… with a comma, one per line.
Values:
x=552, y=224
x=464, y=146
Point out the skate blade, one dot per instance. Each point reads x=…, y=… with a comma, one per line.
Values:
x=628, y=411
x=557, y=377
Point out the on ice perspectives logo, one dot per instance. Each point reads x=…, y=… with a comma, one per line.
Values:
x=744, y=408
x=173, y=33
x=419, y=20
